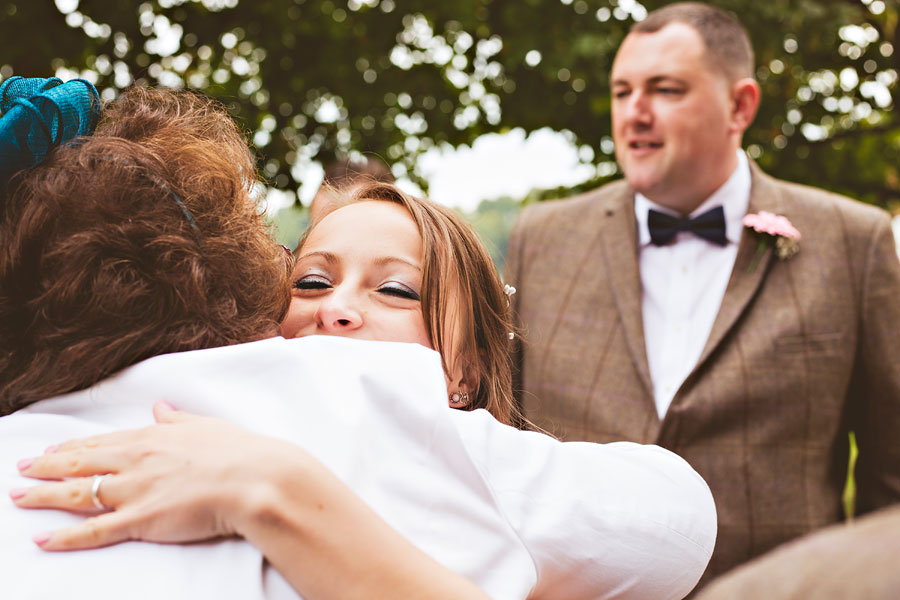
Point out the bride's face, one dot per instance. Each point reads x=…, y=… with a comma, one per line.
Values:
x=359, y=275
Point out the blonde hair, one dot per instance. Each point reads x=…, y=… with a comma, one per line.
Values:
x=459, y=275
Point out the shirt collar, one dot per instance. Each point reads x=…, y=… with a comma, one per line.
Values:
x=733, y=196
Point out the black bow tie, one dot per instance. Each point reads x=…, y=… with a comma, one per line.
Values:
x=710, y=226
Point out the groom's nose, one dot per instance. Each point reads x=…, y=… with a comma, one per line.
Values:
x=638, y=110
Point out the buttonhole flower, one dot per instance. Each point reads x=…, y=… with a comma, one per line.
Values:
x=771, y=228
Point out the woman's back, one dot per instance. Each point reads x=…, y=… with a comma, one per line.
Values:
x=140, y=240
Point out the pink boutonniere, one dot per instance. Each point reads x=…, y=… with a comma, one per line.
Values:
x=771, y=226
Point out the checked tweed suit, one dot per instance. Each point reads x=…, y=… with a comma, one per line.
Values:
x=801, y=352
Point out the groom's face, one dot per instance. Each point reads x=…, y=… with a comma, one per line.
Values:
x=671, y=117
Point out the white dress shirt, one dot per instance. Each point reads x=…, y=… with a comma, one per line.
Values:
x=519, y=513
x=683, y=285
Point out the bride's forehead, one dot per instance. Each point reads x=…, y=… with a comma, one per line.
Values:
x=366, y=223
x=374, y=212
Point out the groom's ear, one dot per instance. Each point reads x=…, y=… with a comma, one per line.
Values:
x=745, y=95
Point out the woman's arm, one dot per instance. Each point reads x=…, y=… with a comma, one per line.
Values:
x=194, y=478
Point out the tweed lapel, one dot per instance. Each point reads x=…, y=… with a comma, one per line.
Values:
x=619, y=235
x=744, y=283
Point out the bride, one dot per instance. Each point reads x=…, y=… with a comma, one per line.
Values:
x=517, y=513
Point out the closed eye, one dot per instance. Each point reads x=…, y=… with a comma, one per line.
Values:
x=312, y=282
x=398, y=290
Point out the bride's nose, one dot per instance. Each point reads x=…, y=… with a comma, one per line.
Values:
x=338, y=312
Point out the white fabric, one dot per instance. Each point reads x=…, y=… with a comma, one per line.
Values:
x=683, y=285
x=516, y=512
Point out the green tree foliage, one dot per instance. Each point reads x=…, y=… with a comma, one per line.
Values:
x=317, y=79
x=493, y=220
x=289, y=224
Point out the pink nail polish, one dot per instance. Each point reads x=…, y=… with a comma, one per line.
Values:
x=51, y=449
x=167, y=405
x=17, y=493
x=24, y=463
x=41, y=538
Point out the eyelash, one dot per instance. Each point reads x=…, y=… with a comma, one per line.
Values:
x=399, y=291
x=318, y=282
x=312, y=282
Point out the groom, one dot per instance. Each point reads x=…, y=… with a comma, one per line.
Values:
x=650, y=312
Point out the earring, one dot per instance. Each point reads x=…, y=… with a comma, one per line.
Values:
x=459, y=398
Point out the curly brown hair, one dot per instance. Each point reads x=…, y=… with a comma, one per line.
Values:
x=458, y=274
x=138, y=241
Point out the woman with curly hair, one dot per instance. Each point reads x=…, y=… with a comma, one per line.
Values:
x=137, y=241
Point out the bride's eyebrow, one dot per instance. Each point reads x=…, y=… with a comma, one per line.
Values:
x=329, y=257
x=387, y=260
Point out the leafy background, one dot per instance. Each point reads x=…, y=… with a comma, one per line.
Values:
x=315, y=80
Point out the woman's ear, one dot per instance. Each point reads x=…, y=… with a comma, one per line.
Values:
x=462, y=385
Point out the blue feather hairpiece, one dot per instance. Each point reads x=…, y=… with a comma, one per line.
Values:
x=40, y=114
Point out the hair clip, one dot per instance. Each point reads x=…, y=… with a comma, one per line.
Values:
x=184, y=209
x=143, y=172
x=509, y=291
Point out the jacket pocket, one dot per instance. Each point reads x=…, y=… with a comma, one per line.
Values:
x=813, y=343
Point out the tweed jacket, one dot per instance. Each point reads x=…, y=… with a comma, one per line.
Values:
x=800, y=353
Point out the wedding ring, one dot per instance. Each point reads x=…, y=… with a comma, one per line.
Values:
x=95, y=492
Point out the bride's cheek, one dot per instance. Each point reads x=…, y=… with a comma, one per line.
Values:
x=298, y=317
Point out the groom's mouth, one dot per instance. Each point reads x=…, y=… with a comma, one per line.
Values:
x=644, y=145
x=641, y=148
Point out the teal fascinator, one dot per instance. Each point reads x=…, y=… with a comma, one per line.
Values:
x=39, y=115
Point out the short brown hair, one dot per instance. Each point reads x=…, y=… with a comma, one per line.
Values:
x=454, y=257
x=342, y=178
x=342, y=173
x=101, y=267
x=727, y=43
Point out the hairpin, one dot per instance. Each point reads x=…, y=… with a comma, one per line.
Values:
x=184, y=209
x=143, y=172
x=509, y=291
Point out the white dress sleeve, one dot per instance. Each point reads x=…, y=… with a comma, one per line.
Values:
x=618, y=520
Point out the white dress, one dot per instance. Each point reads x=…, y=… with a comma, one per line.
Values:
x=518, y=513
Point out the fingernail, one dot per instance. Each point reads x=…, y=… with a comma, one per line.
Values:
x=41, y=538
x=17, y=493
x=167, y=405
x=24, y=463
x=51, y=449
